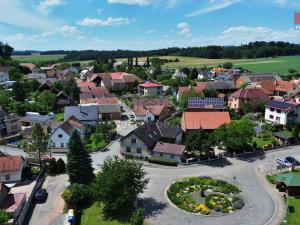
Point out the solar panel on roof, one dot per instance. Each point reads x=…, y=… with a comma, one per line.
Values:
x=280, y=105
x=197, y=102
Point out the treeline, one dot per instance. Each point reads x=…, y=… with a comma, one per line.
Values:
x=251, y=50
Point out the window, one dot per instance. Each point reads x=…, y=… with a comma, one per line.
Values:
x=161, y=155
x=172, y=156
x=271, y=109
x=7, y=177
x=278, y=111
x=62, y=145
x=271, y=117
x=133, y=140
x=59, y=135
x=139, y=150
x=149, y=118
x=128, y=149
x=277, y=118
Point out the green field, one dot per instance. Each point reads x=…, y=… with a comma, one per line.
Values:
x=293, y=214
x=38, y=58
x=46, y=58
x=278, y=65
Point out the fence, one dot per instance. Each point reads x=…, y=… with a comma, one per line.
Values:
x=39, y=182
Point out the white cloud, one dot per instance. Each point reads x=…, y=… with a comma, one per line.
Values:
x=184, y=29
x=131, y=2
x=213, y=5
x=110, y=21
x=46, y=6
x=65, y=31
x=151, y=31
x=99, y=11
x=14, y=12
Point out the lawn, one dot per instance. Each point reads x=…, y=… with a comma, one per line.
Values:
x=278, y=64
x=263, y=142
x=59, y=117
x=293, y=215
x=92, y=216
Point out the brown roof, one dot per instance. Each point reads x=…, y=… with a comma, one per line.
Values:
x=168, y=148
x=204, y=120
x=30, y=66
x=85, y=96
x=250, y=93
x=85, y=90
x=182, y=90
x=267, y=86
x=10, y=163
x=86, y=84
x=107, y=101
x=140, y=110
x=12, y=202
x=284, y=86
x=70, y=124
x=153, y=101
x=4, y=69
x=99, y=91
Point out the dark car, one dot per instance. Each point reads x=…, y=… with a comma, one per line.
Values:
x=41, y=195
x=292, y=160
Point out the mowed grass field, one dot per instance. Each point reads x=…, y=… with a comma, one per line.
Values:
x=46, y=58
x=279, y=64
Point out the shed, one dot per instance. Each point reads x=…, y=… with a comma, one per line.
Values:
x=285, y=137
x=289, y=183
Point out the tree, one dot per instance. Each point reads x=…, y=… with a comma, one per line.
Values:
x=52, y=167
x=227, y=65
x=19, y=91
x=4, y=98
x=293, y=71
x=193, y=75
x=137, y=217
x=77, y=194
x=14, y=74
x=198, y=143
x=3, y=217
x=118, y=185
x=60, y=166
x=47, y=101
x=39, y=141
x=247, y=108
x=210, y=93
x=79, y=162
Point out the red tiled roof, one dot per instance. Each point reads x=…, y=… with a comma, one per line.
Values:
x=107, y=101
x=140, y=110
x=204, y=120
x=10, y=163
x=284, y=86
x=182, y=90
x=86, y=84
x=150, y=85
x=250, y=93
x=99, y=91
x=168, y=148
x=116, y=76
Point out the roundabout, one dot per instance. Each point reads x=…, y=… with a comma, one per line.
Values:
x=205, y=196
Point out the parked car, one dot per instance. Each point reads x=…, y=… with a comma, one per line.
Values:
x=292, y=160
x=131, y=116
x=41, y=195
x=283, y=162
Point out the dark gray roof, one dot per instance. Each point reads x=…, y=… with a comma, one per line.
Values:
x=152, y=132
x=285, y=106
x=221, y=85
x=82, y=113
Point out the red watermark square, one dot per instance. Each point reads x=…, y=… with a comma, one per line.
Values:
x=297, y=18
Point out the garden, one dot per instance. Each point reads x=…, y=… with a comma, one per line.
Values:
x=206, y=196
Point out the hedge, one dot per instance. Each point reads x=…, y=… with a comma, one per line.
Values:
x=167, y=162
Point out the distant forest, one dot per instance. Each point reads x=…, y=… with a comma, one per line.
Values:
x=252, y=50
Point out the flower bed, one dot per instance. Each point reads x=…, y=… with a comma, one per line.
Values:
x=214, y=196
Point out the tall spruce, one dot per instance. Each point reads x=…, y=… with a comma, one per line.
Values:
x=79, y=162
x=39, y=141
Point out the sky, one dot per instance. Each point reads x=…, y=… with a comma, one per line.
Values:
x=144, y=24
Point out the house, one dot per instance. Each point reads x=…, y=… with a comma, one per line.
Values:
x=87, y=114
x=12, y=203
x=65, y=75
x=218, y=70
x=109, y=108
x=51, y=125
x=203, y=120
x=179, y=75
x=81, y=84
x=222, y=86
x=149, y=88
x=118, y=80
x=151, y=109
x=86, y=72
x=95, y=78
x=200, y=104
x=282, y=112
x=169, y=151
x=288, y=183
x=279, y=88
x=4, y=77
x=205, y=75
x=249, y=78
x=11, y=168
x=141, y=142
x=243, y=96
x=10, y=124
x=60, y=137
x=182, y=90
x=30, y=66
x=32, y=118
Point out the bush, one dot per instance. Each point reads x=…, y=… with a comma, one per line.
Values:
x=60, y=166
x=238, y=204
x=160, y=161
x=52, y=167
x=76, y=194
x=137, y=217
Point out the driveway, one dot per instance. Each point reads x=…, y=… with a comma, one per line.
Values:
x=50, y=211
x=259, y=196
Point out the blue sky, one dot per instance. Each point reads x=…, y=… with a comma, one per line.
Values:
x=144, y=24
